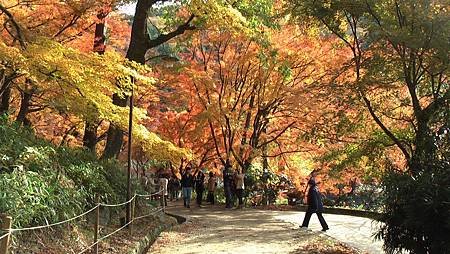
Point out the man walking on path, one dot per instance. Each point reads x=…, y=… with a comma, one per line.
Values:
x=199, y=186
x=227, y=183
x=187, y=182
x=315, y=204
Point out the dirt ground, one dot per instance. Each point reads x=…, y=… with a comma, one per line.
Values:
x=216, y=230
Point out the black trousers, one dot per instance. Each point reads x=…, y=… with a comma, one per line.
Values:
x=240, y=195
x=210, y=197
x=199, y=196
x=227, y=189
x=308, y=215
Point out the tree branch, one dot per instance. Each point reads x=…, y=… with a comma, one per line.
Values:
x=16, y=26
x=162, y=38
x=384, y=128
x=278, y=135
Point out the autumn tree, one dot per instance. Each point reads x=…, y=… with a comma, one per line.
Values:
x=399, y=74
x=182, y=17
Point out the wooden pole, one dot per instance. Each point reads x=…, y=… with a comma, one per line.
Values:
x=96, y=226
x=164, y=201
x=6, y=222
x=133, y=205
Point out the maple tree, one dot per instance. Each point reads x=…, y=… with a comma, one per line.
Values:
x=180, y=19
x=230, y=98
x=66, y=81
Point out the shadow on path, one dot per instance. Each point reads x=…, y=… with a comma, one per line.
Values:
x=214, y=229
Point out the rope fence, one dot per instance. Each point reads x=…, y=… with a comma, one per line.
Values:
x=12, y=230
x=117, y=230
x=8, y=231
x=5, y=235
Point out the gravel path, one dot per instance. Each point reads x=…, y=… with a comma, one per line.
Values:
x=216, y=230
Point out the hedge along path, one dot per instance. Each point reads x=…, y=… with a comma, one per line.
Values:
x=4, y=239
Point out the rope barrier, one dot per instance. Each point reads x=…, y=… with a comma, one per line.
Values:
x=81, y=215
x=117, y=230
x=120, y=204
x=150, y=214
x=149, y=195
x=9, y=232
x=54, y=224
x=106, y=236
x=5, y=235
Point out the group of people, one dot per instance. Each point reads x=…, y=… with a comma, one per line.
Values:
x=234, y=185
x=197, y=181
x=200, y=182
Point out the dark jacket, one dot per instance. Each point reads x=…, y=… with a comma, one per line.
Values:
x=174, y=184
x=200, y=181
x=228, y=177
x=187, y=181
x=314, y=198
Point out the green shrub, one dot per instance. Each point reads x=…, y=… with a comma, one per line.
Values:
x=41, y=183
x=417, y=210
x=32, y=198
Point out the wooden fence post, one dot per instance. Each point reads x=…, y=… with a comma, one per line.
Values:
x=164, y=202
x=133, y=206
x=6, y=222
x=96, y=226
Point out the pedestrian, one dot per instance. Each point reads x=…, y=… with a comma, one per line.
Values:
x=153, y=186
x=228, y=184
x=163, y=182
x=212, y=185
x=187, y=182
x=174, y=187
x=315, y=204
x=239, y=180
x=199, y=186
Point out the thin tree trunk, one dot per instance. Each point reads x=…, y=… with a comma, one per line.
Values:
x=24, y=106
x=139, y=44
x=115, y=135
x=136, y=52
x=4, y=104
x=90, y=128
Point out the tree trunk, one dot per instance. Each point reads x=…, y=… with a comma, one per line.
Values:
x=90, y=136
x=115, y=135
x=90, y=128
x=24, y=106
x=136, y=52
x=4, y=104
x=139, y=44
x=424, y=151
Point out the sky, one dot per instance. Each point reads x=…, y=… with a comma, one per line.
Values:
x=128, y=9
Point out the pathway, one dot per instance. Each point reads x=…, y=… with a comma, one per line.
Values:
x=257, y=231
x=355, y=231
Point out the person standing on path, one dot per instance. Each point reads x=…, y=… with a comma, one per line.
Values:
x=239, y=180
x=187, y=182
x=174, y=187
x=212, y=185
x=228, y=183
x=199, y=186
x=315, y=204
x=163, y=182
